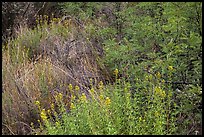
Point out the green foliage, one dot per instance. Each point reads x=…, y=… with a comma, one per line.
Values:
x=158, y=35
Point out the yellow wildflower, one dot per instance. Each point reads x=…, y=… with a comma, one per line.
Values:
x=43, y=115
x=52, y=106
x=107, y=101
x=91, y=81
x=158, y=75
x=163, y=94
x=48, y=111
x=100, y=85
x=32, y=125
x=92, y=90
x=72, y=106
x=101, y=97
x=160, y=92
x=60, y=96
x=83, y=97
x=77, y=88
x=116, y=72
x=157, y=89
x=37, y=103
x=170, y=68
x=70, y=87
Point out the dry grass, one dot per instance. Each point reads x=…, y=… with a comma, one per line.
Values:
x=37, y=64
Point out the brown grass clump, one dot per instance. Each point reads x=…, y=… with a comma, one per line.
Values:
x=41, y=62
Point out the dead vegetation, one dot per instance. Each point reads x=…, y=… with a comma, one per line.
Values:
x=49, y=67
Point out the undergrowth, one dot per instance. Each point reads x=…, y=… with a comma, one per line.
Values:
x=135, y=74
x=115, y=109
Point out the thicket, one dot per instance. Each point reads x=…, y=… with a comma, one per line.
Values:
x=147, y=76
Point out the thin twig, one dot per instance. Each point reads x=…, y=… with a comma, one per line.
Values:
x=26, y=9
x=8, y=128
x=40, y=9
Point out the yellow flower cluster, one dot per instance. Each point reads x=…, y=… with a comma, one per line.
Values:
x=170, y=68
x=67, y=22
x=101, y=98
x=92, y=90
x=77, y=88
x=55, y=20
x=41, y=19
x=43, y=115
x=72, y=106
x=107, y=101
x=100, y=85
x=158, y=75
x=52, y=106
x=70, y=87
x=116, y=72
x=58, y=97
x=148, y=77
x=160, y=92
x=83, y=97
x=37, y=103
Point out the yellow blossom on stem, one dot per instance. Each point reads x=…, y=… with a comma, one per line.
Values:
x=158, y=75
x=43, y=115
x=83, y=97
x=60, y=96
x=101, y=97
x=107, y=101
x=48, y=111
x=160, y=92
x=100, y=85
x=77, y=88
x=72, y=106
x=52, y=106
x=70, y=87
x=37, y=103
x=92, y=90
x=116, y=72
x=170, y=68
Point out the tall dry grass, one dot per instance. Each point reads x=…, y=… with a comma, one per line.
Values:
x=41, y=62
